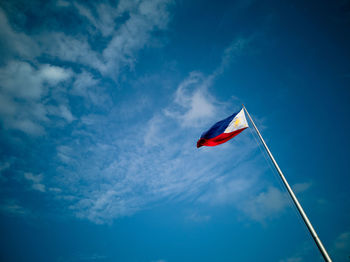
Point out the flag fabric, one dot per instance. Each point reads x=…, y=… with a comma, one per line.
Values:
x=224, y=130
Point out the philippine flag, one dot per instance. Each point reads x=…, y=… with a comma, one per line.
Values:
x=224, y=130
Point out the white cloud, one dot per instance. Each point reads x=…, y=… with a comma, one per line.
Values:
x=25, y=125
x=22, y=91
x=66, y=113
x=83, y=82
x=303, y=252
x=36, y=181
x=153, y=136
x=193, y=104
x=64, y=153
x=341, y=246
x=198, y=218
x=72, y=49
x=343, y=241
x=293, y=259
x=271, y=203
x=12, y=207
x=4, y=166
x=236, y=48
x=133, y=35
x=135, y=179
x=226, y=190
x=24, y=85
x=97, y=181
x=104, y=207
x=62, y=3
x=55, y=190
x=103, y=19
x=161, y=165
x=87, y=86
x=301, y=187
x=15, y=43
x=127, y=39
x=266, y=204
x=54, y=74
x=81, y=257
x=21, y=80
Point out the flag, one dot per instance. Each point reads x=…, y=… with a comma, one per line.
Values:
x=224, y=130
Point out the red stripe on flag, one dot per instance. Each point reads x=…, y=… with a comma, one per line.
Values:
x=222, y=138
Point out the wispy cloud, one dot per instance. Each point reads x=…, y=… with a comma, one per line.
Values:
x=4, y=166
x=271, y=202
x=302, y=253
x=13, y=208
x=103, y=18
x=89, y=87
x=192, y=104
x=126, y=175
x=62, y=3
x=26, y=102
x=36, y=181
x=22, y=91
x=83, y=257
x=124, y=41
x=107, y=167
x=301, y=187
x=237, y=48
x=228, y=189
x=339, y=249
x=293, y=259
x=197, y=217
x=341, y=246
x=16, y=44
x=343, y=241
x=266, y=204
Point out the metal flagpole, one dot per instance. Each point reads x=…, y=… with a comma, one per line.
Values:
x=294, y=198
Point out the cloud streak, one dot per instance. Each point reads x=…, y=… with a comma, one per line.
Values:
x=105, y=166
x=22, y=91
x=13, y=208
x=36, y=181
x=31, y=91
x=123, y=176
x=123, y=41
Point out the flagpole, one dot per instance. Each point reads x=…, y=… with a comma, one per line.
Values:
x=294, y=198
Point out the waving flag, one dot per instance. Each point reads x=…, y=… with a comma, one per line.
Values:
x=224, y=130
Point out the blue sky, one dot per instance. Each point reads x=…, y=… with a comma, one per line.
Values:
x=101, y=105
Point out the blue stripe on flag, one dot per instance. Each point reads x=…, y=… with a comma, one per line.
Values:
x=218, y=128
